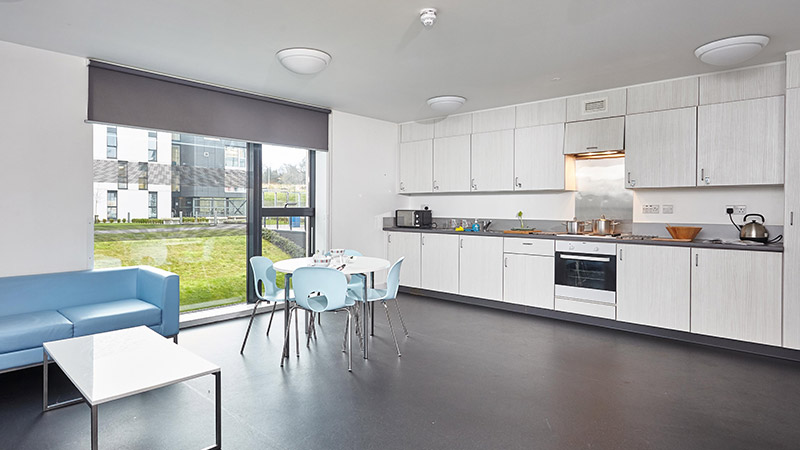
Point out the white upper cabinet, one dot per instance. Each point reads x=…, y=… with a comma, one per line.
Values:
x=754, y=82
x=451, y=164
x=661, y=149
x=493, y=161
x=791, y=229
x=493, y=120
x=793, y=70
x=671, y=94
x=416, y=131
x=416, y=167
x=653, y=285
x=453, y=126
x=741, y=142
x=597, y=105
x=595, y=136
x=737, y=295
x=542, y=113
x=539, y=161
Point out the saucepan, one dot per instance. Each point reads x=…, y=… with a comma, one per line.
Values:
x=604, y=226
x=575, y=226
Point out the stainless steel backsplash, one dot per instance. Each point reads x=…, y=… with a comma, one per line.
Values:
x=601, y=190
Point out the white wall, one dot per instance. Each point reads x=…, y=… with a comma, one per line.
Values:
x=363, y=164
x=707, y=204
x=544, y=205
x=46, y=170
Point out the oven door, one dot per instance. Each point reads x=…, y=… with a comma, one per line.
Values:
x=586, y=277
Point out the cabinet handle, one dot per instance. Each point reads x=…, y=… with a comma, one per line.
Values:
x=706, y=180
x=505, y=263
x=791, y=218
x=527, y=243
x=462, y=243
x=516, y=181
x=390, y=238
x=422, y=238
x=629, y=178
x=620, y=254
x=435, y=186
x=474, y=186
x=402, y=186
x=696, y=260
x=591, y=148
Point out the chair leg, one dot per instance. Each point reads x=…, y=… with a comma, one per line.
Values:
x=397, y=305
x=296, y=334
x=247, y=333
x=274, y=305
x=286, y=337
x=372, y=319
x=386, y=308
x=349, y=342
x=346, y=330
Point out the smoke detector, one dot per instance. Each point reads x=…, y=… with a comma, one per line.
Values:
x=428, y=17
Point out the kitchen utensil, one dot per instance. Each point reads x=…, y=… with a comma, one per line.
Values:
x=574, y=226
x=604, y=226
x=754, y=231
x=683, y=232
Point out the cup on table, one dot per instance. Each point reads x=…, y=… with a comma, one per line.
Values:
x=338, y=253
x=321, y=260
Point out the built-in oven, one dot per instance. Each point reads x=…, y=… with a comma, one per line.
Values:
x=586, y=278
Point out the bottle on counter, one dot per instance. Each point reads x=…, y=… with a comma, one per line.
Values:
x=475, y=226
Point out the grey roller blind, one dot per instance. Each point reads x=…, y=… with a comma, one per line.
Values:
x=124, y=96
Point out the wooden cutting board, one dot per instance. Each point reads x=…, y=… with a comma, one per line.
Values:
x=673, y=240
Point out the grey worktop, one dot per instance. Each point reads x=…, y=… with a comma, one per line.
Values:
x=697, y=243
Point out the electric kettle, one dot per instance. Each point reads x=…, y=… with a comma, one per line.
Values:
x=754, y=231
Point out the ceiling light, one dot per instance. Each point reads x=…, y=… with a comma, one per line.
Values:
x=732, y=50
x=305, y=61
x=446, y=103
x=428, y=17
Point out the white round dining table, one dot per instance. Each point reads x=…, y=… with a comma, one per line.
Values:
x=352, y=265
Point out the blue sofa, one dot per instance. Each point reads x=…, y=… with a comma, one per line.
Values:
x=47, y=307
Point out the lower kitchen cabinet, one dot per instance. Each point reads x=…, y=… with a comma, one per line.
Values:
x=528, y=280
x=653, y=285
x=737, y=295
x=407, y=246
x=481, y=267
x=439, y=262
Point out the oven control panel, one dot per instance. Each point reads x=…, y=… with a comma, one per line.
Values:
x=587, y=247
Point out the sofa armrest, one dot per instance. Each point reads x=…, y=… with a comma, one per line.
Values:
x=160, y=288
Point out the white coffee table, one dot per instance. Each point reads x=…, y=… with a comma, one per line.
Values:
x=117, y=364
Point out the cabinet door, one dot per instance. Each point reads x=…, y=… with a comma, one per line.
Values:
x=661, y=149
x=492, y=161
x=481, y=267
x=791, y=230
x=493, y=120
x=736, y=294
x=529, y=280
x=595, y=136
x=416, y=167
x=542, y=113
x=451, y=164
x=539, y=161
x=653, y=285
x=416, y=131
x=740, y=142
x=440, y=262
x=661, y=96
x=407, y=246
x=793, y=70
x=735, y=85
x=453, y=126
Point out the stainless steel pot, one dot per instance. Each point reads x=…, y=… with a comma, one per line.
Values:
x=575, y=226
x=604, y=226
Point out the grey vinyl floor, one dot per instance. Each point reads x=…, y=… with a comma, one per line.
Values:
x=469, y=378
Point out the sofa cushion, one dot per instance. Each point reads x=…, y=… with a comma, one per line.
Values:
x=30, y=330
x=100, y=317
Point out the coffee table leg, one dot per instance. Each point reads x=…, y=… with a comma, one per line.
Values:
x=94, y=427
x=218, y=382
x=365, y=322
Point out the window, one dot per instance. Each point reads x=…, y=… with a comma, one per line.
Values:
x=152, y=205
x=111, y=205
x=111, y=142
x=152, y=146
x=122, y=175
x=143, y=176
x=235, y=157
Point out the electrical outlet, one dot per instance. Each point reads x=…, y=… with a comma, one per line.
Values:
x=650, y=209
x=666, y=209
x=740, y=209
x=423, y=206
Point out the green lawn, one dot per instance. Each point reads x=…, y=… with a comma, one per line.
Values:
x=212, y=269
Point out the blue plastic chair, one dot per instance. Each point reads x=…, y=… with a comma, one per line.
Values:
x=382, y=295
x=264, y=276
x=318, y=290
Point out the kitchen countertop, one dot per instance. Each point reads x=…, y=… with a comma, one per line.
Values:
x=699, y=243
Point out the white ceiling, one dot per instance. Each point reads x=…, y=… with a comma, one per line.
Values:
x=385, y=64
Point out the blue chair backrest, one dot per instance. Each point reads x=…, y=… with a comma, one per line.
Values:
x=349, y=252
x=393, y=280
x=264, y=272
x=329, y=283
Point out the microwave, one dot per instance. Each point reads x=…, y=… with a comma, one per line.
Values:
x=410, y=218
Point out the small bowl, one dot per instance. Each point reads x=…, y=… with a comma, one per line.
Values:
x=335, y=252
x=322, y=260
x=684, y=232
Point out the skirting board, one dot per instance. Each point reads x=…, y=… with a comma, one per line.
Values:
x=711, y=341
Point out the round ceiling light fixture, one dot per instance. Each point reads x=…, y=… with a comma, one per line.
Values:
x=428, y=17
x=305, y=61
x=732, y=50
x=446, y=103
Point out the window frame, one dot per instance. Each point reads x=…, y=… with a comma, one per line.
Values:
x=152, y=151
x=116, y=204
x=109, y=146
x=152, y=207
x=122, y=175
x=143, y=176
